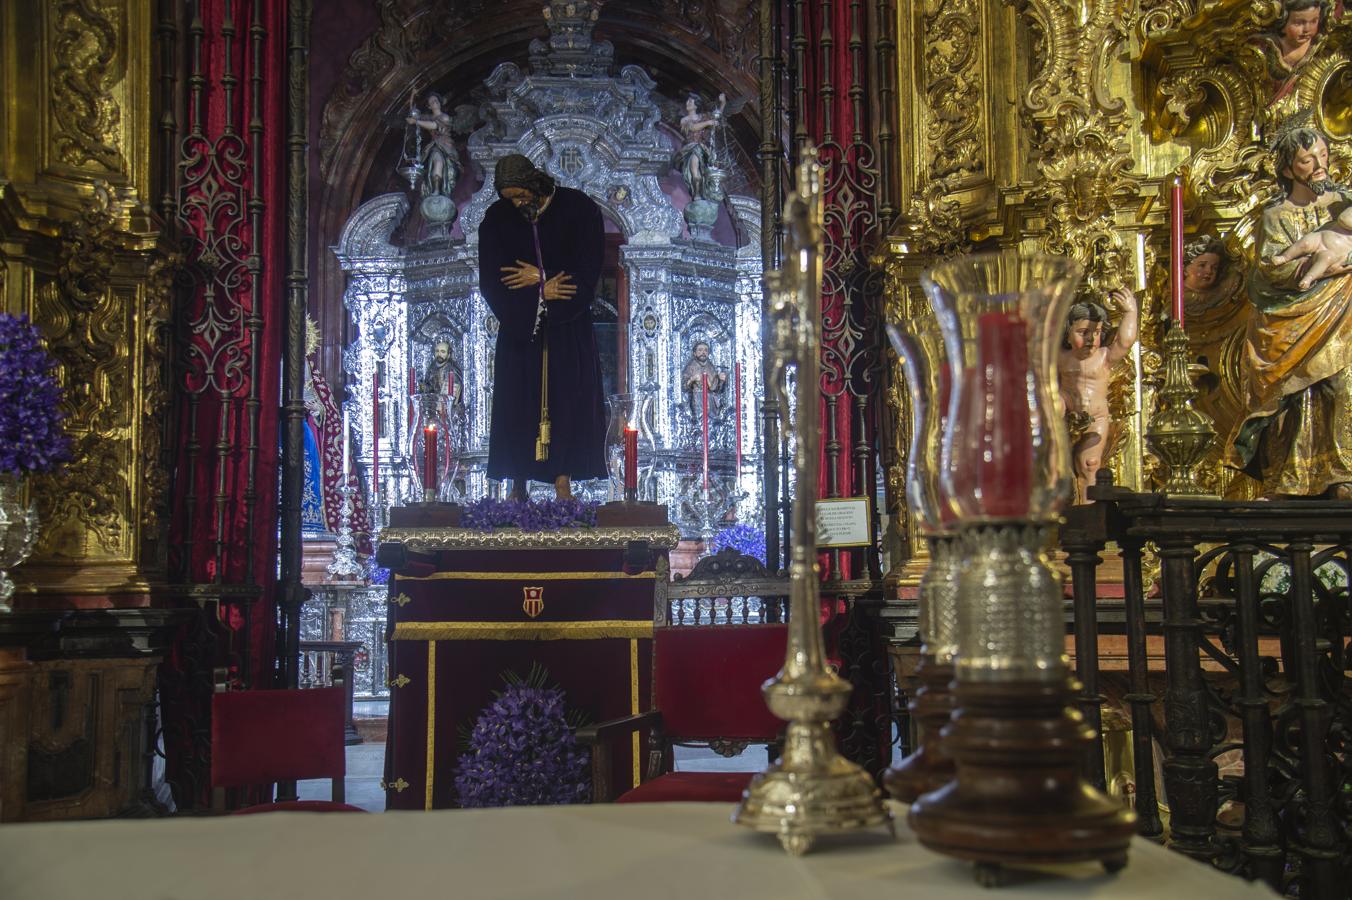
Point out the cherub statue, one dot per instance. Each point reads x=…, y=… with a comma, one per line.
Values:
x=697, y=368
x=1293, y=41
x=695, y=157
x=1085, y=366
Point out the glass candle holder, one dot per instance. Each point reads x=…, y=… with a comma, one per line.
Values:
x=629, y=433
x=434, y=469
x=1005, y=472
x=1006, y=454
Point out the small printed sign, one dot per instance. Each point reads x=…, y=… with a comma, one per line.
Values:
x=843, y=522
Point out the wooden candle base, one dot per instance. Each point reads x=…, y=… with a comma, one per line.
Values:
x=1019, y=797
x=929, y=767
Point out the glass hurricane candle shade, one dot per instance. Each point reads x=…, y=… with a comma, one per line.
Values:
x=1007, y=452
x=433, y=414
x=1005, y=470
x=630, y=412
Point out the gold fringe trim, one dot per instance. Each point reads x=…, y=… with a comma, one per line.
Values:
x=633, y=706
x=630, y=629
x=533, y=576
x=431, y=720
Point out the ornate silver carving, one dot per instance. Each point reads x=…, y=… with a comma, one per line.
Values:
x=599, y=133
x=1011, y=623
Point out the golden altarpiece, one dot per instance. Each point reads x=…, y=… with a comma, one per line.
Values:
x=1058, y=127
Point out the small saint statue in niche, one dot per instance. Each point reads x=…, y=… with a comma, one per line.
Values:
x=443, y=376
x=696, y=370
x=440, y=161
x=1293, y=41
x=1085, y=367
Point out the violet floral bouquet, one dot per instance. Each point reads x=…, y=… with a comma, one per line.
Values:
x=521, y=750
x=744, y=539
x=32, y=438
x=549, y=515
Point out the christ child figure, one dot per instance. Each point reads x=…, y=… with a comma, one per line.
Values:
x=1085, y=365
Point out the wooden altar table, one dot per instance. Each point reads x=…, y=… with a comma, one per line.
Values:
x=467, y=606
x=660, y=851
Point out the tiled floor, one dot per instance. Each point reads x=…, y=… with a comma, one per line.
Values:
x=366, y=764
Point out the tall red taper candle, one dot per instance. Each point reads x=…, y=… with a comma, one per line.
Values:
x=737, y=410
x=429, y=463
x=630, y=461
x=704, y=402
x=375, y=437
x=1176, y=248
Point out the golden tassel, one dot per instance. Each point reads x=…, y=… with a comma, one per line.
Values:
x=542, y=441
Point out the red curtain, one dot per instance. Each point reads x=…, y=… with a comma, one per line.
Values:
x=836, y=114
x=232, y=202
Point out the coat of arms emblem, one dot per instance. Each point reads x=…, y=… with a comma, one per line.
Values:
x=534, y=602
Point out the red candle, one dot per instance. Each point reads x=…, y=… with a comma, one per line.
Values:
x=737, y=410
x=630, y=460
x=1002, y=449
x=430, y=462
x=704, y=401
x=1176, y=248
x=375, y=436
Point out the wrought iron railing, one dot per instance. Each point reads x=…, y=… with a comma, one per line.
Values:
x=1256, y=646
x=318, y=660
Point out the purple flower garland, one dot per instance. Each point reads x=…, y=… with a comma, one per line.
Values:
x=32, y=438
x=549, y=515
x=521, y=752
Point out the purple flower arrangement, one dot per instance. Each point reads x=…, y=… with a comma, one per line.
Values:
x=742, y=538
x=375, y=574
x=522, y=752
x=32, y=438
x=549, y=515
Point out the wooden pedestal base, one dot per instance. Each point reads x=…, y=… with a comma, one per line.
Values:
x=1019, y=797
x=930, y=767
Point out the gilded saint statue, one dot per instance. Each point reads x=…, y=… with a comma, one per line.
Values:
x=1085, y=365
x=1296, y=434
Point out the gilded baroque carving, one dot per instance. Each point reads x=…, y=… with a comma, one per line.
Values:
x=953, y=88
x=86, y=326
x=156, y=336
x=85, y=118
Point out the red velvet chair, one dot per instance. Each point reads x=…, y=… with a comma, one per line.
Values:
x=708, y=668
x=260, y=737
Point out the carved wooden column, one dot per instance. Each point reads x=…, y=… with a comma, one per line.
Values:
x=1189, y=771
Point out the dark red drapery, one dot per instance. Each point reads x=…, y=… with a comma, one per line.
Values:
x=232, y=202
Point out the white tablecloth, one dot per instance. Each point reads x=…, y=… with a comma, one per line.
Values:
x=688, y=851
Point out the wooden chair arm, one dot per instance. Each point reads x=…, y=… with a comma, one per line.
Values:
x=592, y=735
x=599, y=737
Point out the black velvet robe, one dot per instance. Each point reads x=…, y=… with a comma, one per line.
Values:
x=572, y=240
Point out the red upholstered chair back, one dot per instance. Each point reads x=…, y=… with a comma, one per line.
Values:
x=259, y=737
x=707, y=681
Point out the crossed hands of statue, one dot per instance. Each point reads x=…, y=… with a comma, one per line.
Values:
x=1326, y=252
x=523, y=274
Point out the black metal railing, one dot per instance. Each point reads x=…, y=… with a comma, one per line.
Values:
x=1256, y=646
x=318, y=660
